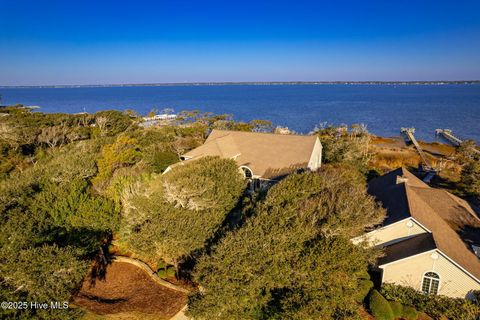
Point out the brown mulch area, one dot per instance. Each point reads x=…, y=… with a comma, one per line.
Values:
x=127, y=288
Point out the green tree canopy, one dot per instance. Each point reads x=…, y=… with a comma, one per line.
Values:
x=52, y=225
x=179, y=211
x=111, y=122
x=293, y=258
x=208, y=183
x=470, y=177
x=124, y=152
x=341, y=145
x=467, y=151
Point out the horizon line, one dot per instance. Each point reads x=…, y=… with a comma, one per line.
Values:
x=218, y=83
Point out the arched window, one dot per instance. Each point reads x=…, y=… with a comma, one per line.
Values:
x=430, y=283
x=247, y=172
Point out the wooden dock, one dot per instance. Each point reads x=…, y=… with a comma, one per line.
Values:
x=409, y=137
x=407, y=133
x=448, y=135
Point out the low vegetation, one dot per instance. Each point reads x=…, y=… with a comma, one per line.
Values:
x=346, y=145
x=436, y=307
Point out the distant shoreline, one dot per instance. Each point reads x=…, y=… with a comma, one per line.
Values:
x=180, y=84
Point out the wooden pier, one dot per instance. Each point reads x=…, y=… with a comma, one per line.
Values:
x=407, y=133
x=409, y=137
x=448, y=135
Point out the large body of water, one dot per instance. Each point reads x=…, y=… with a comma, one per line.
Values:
x=383, y=108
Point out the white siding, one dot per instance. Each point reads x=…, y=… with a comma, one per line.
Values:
x=392, y=233
x=454, y=282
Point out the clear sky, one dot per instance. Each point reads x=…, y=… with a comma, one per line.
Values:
x=99, y=42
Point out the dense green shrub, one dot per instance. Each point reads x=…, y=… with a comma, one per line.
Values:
x=397, y=308
x=111, y=122
x=41, y=274
x=73, y=206
x=434, y=306
x=470, y=177
x=409, y=313
x=123, y=152
x=52, y=225
x=162, y=273
x=165, y=270
x=206, y=184
x=62, y=165
x=160, y=160
x=343, y=146
x=363, y=289
x=379, y=306
x=159, y=227
x=45, y=280
x=335, y=197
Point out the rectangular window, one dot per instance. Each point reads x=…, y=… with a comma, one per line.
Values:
x=426, y=285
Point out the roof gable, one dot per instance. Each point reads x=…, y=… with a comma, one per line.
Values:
x=445, y=215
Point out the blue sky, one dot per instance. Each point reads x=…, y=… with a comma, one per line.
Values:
x=98, y=42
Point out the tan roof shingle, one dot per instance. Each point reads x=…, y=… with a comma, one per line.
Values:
x=453, y=223
x=268, y=155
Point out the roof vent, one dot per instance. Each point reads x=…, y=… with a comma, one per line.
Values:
x=401, y=179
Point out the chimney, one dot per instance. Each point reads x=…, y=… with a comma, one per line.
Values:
x=401, y=179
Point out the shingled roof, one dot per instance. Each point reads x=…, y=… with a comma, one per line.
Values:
x=418, y=244
x=454, y=225
x=268, y=155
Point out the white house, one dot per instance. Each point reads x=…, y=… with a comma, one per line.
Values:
x=430, y=237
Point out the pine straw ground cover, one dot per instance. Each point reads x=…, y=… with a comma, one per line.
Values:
x=128, y=289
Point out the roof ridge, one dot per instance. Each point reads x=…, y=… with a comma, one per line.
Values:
x=210, y=134
x=265, y=133
x=409, y=205
x=410, y=194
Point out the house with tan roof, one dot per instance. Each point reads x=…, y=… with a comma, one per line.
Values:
x=263, y=158
x=430, y=237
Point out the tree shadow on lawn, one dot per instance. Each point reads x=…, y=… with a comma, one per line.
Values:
x=91, y=244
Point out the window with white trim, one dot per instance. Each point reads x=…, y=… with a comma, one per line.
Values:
x=430, y=283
